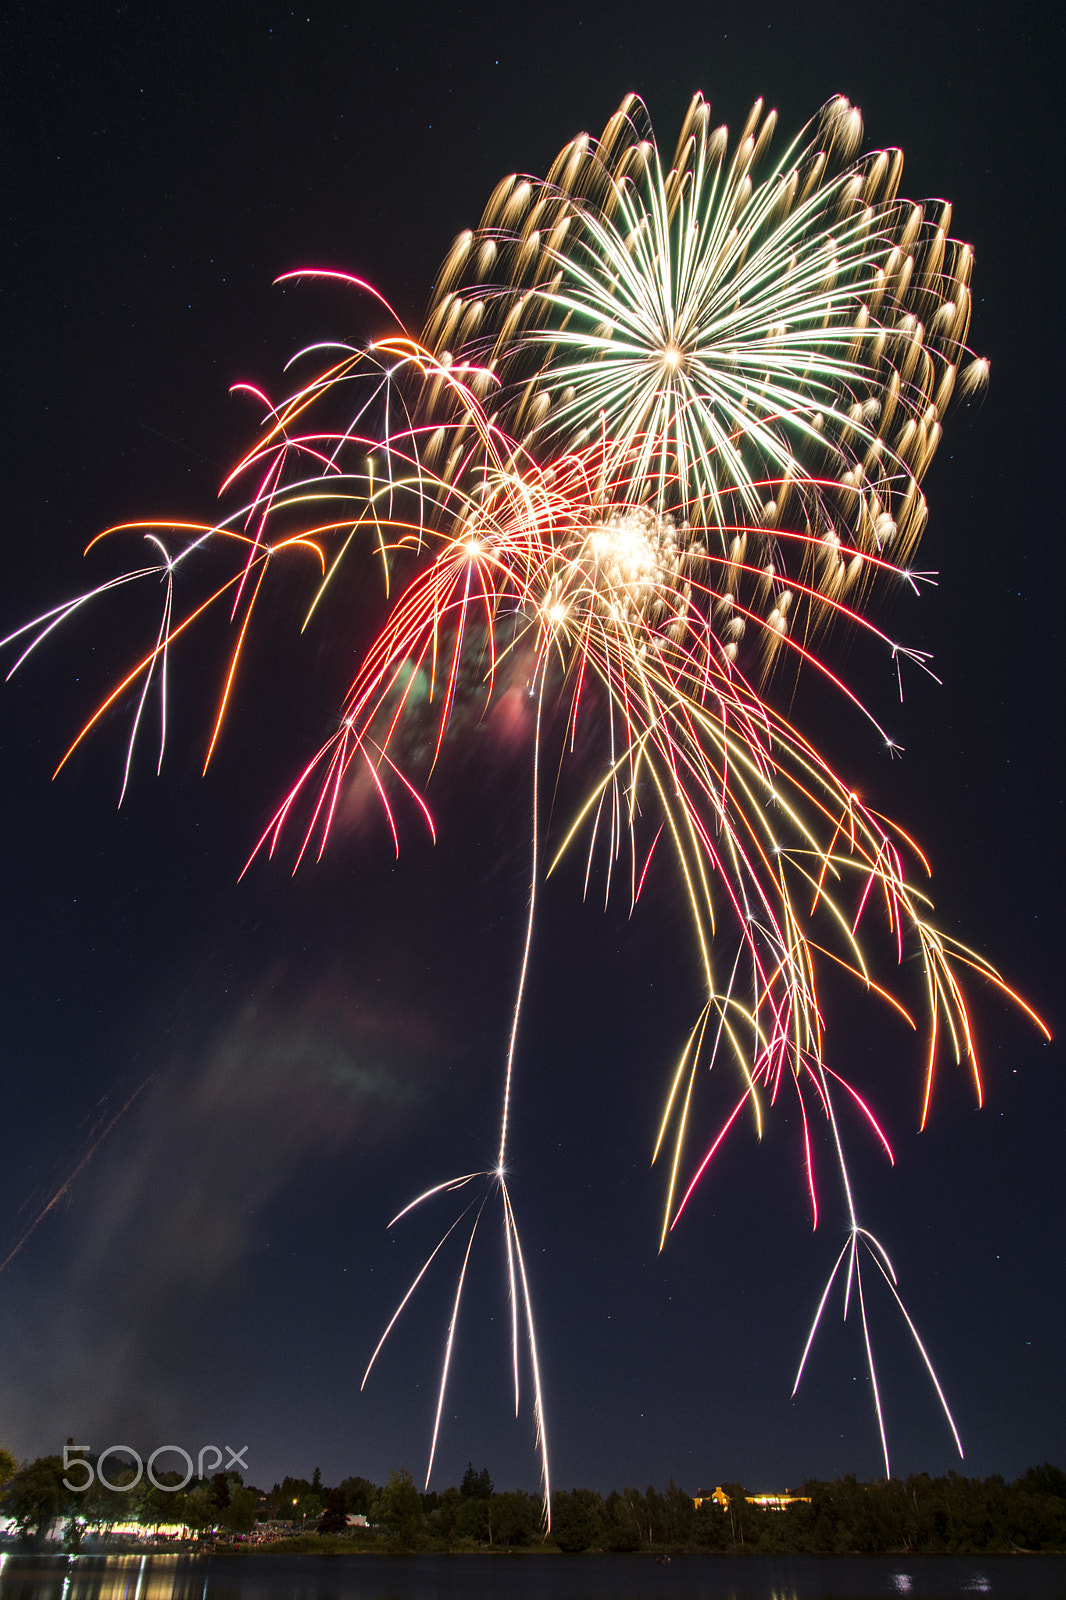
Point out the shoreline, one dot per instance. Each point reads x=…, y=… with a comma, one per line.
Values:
x=665, y=1557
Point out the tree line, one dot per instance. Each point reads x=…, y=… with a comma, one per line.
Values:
x=918, y=1515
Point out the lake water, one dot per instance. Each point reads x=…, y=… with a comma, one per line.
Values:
x=527, y=1577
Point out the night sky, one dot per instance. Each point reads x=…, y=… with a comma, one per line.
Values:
x=308, y=1053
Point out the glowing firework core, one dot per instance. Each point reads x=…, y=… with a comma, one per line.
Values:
x=633, y=556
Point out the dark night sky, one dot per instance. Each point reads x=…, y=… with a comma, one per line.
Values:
x=318, y=1049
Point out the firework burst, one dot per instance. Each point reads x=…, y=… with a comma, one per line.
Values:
x=663, y=426
x=768, y=343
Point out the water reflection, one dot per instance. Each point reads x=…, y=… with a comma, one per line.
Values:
x=165, y=1576
x=132, y=1577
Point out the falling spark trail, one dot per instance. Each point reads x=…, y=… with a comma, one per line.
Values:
x=534, y=870
x=65, y=1186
